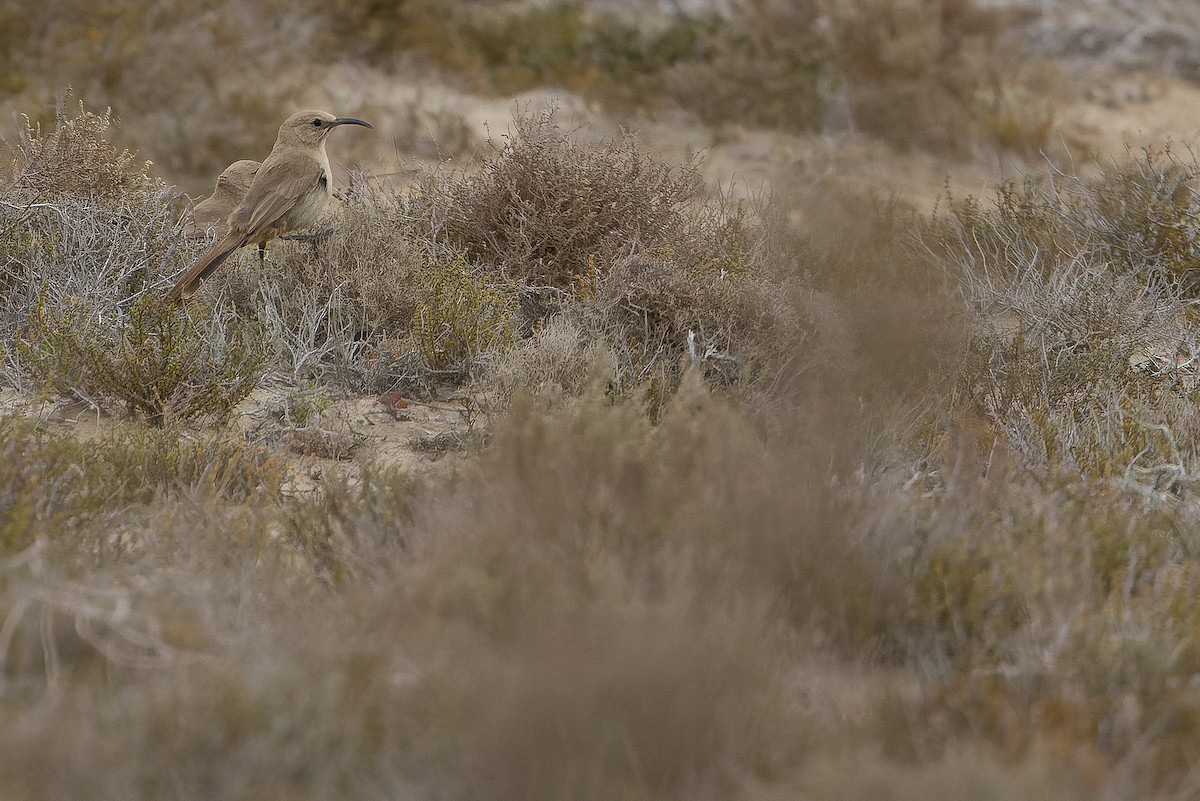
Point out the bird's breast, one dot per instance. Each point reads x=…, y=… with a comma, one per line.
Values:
x=309, y=209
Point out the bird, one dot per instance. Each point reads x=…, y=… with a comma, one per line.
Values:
x=288, y=193
x=232, y=185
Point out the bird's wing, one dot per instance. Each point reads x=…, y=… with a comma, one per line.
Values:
x=283, y=181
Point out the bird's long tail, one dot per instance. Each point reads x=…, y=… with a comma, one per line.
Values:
x=189, y=282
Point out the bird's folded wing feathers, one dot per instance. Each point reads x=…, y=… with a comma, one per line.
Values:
x=281, y=183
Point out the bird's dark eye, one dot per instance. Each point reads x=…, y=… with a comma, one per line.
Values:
x=317, y=122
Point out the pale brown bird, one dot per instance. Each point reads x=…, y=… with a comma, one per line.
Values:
x=231, y=187
x=288, y=193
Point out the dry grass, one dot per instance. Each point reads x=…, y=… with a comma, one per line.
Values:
x=1081, y=349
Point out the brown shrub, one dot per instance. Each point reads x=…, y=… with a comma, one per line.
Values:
x=927, y=73
x=76, y=158
x=543, y=208
x=627, y=247
x=744, y=70
x=662, y=316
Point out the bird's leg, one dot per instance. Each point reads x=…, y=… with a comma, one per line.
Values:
x=313, y=235
x=262, y=253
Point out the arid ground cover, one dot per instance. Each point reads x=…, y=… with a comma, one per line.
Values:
x=785, y=400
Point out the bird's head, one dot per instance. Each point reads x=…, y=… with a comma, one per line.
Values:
x=309, y=128
x=236, y=178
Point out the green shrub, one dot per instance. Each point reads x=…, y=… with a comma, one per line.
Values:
x=461, y=315
x=55, y=485
x=159, y=361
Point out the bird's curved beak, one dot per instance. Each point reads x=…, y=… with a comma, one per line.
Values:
x=351, y=121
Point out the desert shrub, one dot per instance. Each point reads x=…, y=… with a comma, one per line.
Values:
x=597, y=607
x=542, y=207
x=86, y=236
x=461, y=315
x=76, y=158
x=925, y=73
x=338, y=525
x=558, y=355
x=367, y=255
x=930, y=73
x=157, y=360
x=1060, y=606
x=192, y=119
x=661, y=316
x=48, y=494
x=1078, y=290
x=82, y=219
x=1137, y=216
x=742, y=69
x=582, y=585
x=626, y=246
x=338, y=307
x=619, y=58
x=69, y=249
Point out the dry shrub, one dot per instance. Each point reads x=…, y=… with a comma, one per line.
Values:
x=599, y=608
x=654, y=311
x=361, y=249
x=1061, y=609
x=744, y=69
x=651, y=704
x=82, y=218
x=558, y=356
x=567, y=626
x=543, y=207
x=931, y=73
x=335, y=307
x=1079, y=356
x=76, y=158
x=69, y=250
x=685, y=501
x=157, y=360
x=976, y=772
x=884, y=323
x=618, y=58
x=87, y=234
x=628, y=248
x=47, y=495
